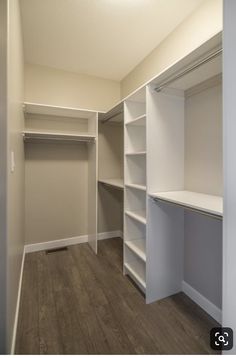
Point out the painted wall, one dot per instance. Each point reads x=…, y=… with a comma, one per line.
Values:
x=56, y=87
x=15, y=202
x=3, y=171
x=56, y=191
x=229, y=113
x=199, y=27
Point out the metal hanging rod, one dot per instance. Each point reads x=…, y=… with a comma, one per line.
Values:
x=188, y=70
x=198, y=211
x=112, y=116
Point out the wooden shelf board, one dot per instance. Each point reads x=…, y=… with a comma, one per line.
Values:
x=137, y=186
x=28, y=135
x=117, y=183
x=137, y=153
x=138, y=121
x=210, y=204
x=138, y=247
x=45, y=109
x=137, y=215
x=139, y=281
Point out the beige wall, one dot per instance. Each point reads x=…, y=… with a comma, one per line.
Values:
x=110, y=165
x=15, y=239
x=199, y=27
x=3, y=172
x=203, y=140
x=56, y=184
x=57, y=87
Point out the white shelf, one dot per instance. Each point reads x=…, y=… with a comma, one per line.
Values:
x=209, y=204
x=45, y=109
x=43, y=135
x=138, y=121
x=137, y=215
x=138, y=247
x=137, y=186
x=139, y=281
x=137, y=153
x=117, y=183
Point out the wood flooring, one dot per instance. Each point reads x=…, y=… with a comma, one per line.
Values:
x=74, y=302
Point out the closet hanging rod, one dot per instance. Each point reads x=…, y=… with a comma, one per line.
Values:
x=198, y=211
x=189, y=70
x=112, y=116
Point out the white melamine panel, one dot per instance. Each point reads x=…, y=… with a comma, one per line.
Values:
x=165, y=141
x=92, y=191
x=136, y=170
x=136, y=186
x=39, y=108
x=164, y=250
x=138, y=121
x=116, y=183
x=135, y=139
x=210, y=204
x=134, y=230
x=138, y=215
x=135, y=200
x=133, y=110
x=135, y=267
x=138, y=247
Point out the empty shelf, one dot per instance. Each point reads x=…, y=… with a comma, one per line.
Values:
x=209, y=204
x=138, y=121
x=136, y=153
x=117, y=183
x=137, y=186
x=139, y=281
x=41, y=135
x=138, y=247
x=137, y=215
x=45, y=109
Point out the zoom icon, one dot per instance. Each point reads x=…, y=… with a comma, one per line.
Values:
x=221, y=338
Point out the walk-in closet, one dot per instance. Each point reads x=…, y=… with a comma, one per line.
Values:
x=118, y=210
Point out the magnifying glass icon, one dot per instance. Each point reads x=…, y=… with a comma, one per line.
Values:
x=221, y=339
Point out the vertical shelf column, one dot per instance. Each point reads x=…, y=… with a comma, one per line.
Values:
x=165, y=172
x=135, y=188
x=92, y=183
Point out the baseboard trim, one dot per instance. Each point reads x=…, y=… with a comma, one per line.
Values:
x=110, y=235
x=13, y=342
x=41, y=246
x=202, y=301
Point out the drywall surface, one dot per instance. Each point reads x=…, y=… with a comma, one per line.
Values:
x=3, y=172
x=110, y=166
x=56, y=87
x=15, y=202
x=200, y=26
x=203, y=256
x=229, y=114
x=56, y=191
x=203, y=141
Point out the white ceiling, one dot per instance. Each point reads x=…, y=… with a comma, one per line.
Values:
x=104, y=38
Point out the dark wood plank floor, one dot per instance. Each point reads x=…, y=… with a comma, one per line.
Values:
x=74, y=302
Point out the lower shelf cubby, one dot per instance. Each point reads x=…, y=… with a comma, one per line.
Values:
x=135, y=267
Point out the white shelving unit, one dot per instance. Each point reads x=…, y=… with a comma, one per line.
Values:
x=135, y=188
x=44, y=123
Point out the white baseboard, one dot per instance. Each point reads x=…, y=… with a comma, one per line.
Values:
x=110, y=235
x=202, y=301
x=41, y=246
x=13, y=342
